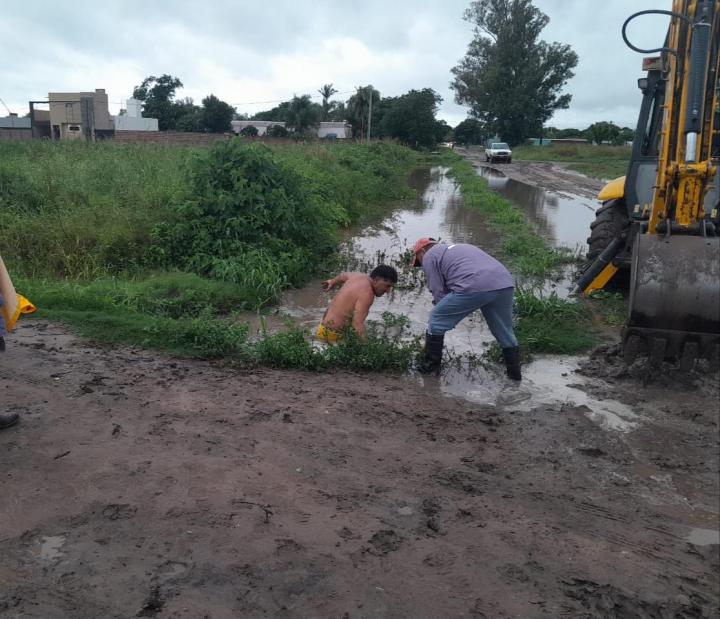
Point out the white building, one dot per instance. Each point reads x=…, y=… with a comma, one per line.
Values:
x=339, y=130
x=261, y=125
x=131, y=119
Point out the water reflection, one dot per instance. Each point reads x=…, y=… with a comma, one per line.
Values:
x=561, y=219
x=437, y=212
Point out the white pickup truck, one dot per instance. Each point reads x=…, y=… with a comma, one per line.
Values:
x=498, y=151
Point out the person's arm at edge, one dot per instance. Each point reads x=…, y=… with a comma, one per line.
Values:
x=338, y=280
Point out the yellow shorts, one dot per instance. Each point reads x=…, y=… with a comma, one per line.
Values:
x=331, y=336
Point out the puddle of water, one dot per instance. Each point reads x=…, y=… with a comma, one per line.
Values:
x=544, y=382
x=703, y=537
x=561, y=219
x=439, y=212
x=50, y=547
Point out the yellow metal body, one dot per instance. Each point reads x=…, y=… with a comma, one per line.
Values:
x=683, y=179
x=602, y=279
x=613, y=190
x=681, y=187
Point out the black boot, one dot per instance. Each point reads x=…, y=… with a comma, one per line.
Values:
x=8, y=419
x=512, y=362
x=433, y=354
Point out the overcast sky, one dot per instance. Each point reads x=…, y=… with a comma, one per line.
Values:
x=247, y=52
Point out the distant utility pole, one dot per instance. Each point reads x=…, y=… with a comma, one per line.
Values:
x=370, y=114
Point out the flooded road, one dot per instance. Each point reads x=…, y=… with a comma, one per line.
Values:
x=562, y=219
x=438, y=211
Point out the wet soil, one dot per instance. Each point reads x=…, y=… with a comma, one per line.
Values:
x=551, y=176
x=141, y=485
x=137, y=484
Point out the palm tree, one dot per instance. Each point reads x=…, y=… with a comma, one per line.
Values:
x=303, y=114
x=326, y=92
x=359, y=108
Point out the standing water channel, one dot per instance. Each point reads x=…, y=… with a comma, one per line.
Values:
x=439, y=212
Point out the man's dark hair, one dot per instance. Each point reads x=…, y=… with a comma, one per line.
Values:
x=383, y=271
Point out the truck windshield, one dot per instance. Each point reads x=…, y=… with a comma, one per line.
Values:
x=500, y=145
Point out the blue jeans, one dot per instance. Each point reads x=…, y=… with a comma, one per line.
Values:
x=496, y=306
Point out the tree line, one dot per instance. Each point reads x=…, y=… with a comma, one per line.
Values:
x=472, y=131
x=411, y=118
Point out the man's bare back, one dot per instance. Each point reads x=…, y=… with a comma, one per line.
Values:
x=352, y=303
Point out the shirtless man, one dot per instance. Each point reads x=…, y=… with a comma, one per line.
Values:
x=352, y=304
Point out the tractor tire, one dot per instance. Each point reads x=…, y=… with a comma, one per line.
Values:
x=510, y=160
x=610, y=221
x=487, y=159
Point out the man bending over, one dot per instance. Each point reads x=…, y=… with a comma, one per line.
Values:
x=352, y=304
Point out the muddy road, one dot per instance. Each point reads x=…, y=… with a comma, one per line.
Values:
x=137, y=484
x=551, y=176
x=141, y=485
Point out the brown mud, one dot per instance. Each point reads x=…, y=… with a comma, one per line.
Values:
x=137, y=484
x=141, y=485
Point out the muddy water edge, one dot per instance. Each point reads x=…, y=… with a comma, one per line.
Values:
x=438, y=211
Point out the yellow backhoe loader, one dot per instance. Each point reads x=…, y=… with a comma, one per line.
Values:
x=659, y=226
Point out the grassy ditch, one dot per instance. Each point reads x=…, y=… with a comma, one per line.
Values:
x=187, y=315
x=544, y=323
x=527, y=253
x=159, y=247
x=244, y=214
x=598, y=161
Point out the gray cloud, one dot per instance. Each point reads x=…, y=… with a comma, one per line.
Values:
x=246, y=52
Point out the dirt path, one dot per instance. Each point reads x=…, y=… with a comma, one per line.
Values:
x=141, y=485
x=549, y=175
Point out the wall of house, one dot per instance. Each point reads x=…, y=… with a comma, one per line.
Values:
x=124, y=122
x=66, y=113
x=169, y=138
x=15, y=134
x=339, y=130
x=177, y=138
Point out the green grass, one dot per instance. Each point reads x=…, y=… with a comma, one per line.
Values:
x=598, y=161
x=259, y=218
x=527, y=253
x=552, y=325
x=187, y=315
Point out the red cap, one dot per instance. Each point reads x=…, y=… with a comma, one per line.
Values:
x=421, y=244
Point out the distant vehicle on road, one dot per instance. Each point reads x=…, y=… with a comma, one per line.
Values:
x=498, y=151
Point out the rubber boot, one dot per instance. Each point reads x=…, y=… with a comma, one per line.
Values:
x=433, y=354
x=512, y=362
x=8, y=419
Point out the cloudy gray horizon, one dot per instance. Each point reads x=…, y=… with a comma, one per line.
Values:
x=253, y=55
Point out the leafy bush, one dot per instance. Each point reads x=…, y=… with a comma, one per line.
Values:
x=277, y=131
x=250, y=213
x=249, y=132
x=244, y=214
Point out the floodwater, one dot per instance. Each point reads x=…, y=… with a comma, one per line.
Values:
x=438, y=212
x=560, y=218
